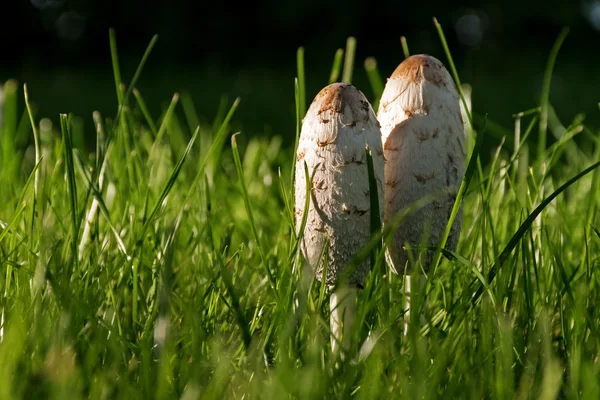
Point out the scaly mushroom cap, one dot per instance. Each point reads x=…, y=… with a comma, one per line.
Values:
x=423, y=140
x=338, y=126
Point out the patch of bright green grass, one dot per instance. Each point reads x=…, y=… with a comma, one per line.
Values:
x=165, y=264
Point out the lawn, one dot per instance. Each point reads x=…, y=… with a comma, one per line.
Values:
x=164, y=263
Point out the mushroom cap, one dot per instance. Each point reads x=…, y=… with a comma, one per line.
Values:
x=423, y=140
x=338, y=126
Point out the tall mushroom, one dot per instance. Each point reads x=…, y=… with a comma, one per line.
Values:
x=338, y=126
x=423, y=142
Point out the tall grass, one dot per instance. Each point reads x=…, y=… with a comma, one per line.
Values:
x=164, y=264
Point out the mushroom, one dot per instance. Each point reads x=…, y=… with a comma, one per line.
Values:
x=338, y=126
x=423, y=142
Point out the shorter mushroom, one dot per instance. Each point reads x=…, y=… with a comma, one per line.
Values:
x=338, y=126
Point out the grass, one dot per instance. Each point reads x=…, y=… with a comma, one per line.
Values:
x=164, y=265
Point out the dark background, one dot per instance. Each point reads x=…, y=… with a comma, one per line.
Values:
x=60, y=48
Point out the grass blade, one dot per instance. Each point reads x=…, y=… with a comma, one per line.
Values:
x=454, y=71
x=138, y=71
x=38, y=155
x=545, y=96
x=374, y=212
x=375, y=80
x=301, y=81
x=116, y=69
x=72, y=185
x=163, y=128
x=298, y=130
x=145, y=112
x=349, y=60
x=596, y=231
x=404, y=44
x=337, y=66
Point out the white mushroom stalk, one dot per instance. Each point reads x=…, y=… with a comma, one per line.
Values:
x=423, y=140
x=338, y=126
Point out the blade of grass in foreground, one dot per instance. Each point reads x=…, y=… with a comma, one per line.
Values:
x=145, y=112
x=9, y=128
x=72, y=186
x=138, y=71
x=596, y=231
x=240, y=171
x=163, y=128
x=300, y=232
x=349, y=60
x=545, y=96
x=301, y=81
x=374, y=80
x=298, y=129
x=337, y=66
x=374, y=209
x=38, y=155
x=404, y=46
x=454, y=71
x=100, y=203
x=115, y=63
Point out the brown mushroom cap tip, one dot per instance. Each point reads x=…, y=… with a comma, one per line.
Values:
x=337, y=96
x=422, y=66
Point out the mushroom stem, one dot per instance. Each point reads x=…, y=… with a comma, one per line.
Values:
x=342, y=303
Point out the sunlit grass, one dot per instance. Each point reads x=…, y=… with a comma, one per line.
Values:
x=164, y=264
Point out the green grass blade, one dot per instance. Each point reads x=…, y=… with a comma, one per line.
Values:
x=374, y=209
x=72, y=185
x=83, y=168
x=298, y=130
x=337, y=66
x=596, y=231
x=9, y=114
x=288, y=207
x=545, y=96
x=115, y=64
x=145, y=112
x=8, y=227
x=375, y=80
x=454, y=71
x=38, y=155
x=404, y=46
x=349, y=60
x=189, y=110
x=138, y=71
x=163, y=127
x=305, y=208
x=301, y=81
